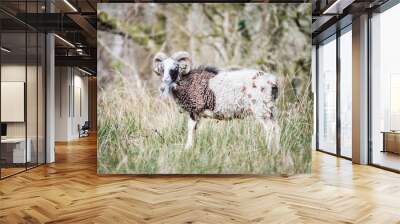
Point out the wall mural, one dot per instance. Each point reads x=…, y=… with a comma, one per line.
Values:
x=204, y=88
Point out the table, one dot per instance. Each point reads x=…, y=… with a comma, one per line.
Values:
x=13, y=150
x=391, y=141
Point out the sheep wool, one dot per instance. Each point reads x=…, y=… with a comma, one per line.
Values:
x=243, y=92
x=193, y=93
x=227, y=94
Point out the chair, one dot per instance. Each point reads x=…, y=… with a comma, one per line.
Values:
x=84, y=130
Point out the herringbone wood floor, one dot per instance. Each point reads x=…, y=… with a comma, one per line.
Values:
x=70, y=191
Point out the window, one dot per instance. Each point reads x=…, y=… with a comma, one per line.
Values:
x=346, y=92
x=327, y=96
x=385, y=89
x=22, y=77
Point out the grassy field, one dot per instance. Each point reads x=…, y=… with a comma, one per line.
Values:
x=140, y=133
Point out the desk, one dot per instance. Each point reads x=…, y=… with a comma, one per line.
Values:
x=391, y=141
x=15, y=148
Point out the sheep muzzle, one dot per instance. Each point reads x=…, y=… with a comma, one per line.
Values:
x=165, y=88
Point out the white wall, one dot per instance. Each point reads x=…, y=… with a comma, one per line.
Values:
x=12, y=73
x=70, y=83
x=80, y=88
x=62, y=82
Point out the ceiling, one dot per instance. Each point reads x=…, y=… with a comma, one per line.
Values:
x=331, y=15
x=74, y=22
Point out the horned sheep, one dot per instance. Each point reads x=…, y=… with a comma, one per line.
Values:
x=206, y=92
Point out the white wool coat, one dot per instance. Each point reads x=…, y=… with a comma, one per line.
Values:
x=242, y=92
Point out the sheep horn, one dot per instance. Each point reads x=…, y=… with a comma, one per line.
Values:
x=185, y=61
x=157, y=66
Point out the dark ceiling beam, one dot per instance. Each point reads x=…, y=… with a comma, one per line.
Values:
x=11, y=25
x=77, y=61
x=16, y=18
x=54, y=22
x=210, y=1
x=84, y=24
x=337, y=7
x=320, y=23
x=91, y=5
x=89, y=30
x=89, y=70
x=62, y=6
x=49, y=22
x=331, y=30
x=59, y=22
x=87, y=51
x=333, y=17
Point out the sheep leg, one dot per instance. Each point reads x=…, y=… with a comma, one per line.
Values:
x=272, y=133
x=192, y=124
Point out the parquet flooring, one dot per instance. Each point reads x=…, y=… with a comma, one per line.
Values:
x=10, y=171
x=70, y=191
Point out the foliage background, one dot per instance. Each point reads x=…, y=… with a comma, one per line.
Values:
x=140, y=133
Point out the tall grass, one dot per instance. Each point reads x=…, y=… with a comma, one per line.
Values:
x=141, y=133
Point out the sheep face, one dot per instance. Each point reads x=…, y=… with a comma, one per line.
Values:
x=170, y=75
x=171, y=69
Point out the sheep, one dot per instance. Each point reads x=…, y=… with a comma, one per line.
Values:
x=206, y=92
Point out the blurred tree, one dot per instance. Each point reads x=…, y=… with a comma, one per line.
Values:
x=272, y=37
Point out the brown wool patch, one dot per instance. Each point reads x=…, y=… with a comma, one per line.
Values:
x=262, y=89
x=193, y=94
x=254, y=85
x=243, y=88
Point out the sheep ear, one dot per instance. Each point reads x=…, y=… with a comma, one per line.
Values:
x=157, y=63
x=185, y=61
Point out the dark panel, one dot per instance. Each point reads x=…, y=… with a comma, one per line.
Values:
x=77, y=61
x=49, y=22
x=331, y=30
x=210, y=1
